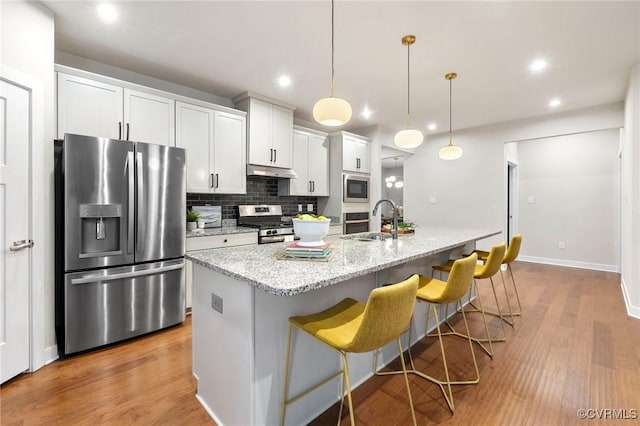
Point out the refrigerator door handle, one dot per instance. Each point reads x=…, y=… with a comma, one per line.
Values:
x=130, y=196
x=123, y=275
x=139, y=198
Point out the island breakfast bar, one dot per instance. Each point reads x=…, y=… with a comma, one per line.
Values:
x=243, y=297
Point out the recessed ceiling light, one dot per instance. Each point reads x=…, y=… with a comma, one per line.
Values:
x=284, y=81
x=107, y=13
x=432, y=126
x=538, y=65
x=554, y=102
x=366, y=112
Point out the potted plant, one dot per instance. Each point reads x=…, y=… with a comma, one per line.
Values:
x=192, y=217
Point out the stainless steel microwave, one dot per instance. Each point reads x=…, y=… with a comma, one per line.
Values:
x=355, y=189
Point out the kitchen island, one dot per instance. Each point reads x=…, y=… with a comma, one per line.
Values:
x=243, y=297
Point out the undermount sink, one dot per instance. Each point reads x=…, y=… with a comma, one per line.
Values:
x=370, y=236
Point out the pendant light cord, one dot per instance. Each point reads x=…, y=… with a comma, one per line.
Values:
x=450, y=108
x=332, y=50
x=408, y=87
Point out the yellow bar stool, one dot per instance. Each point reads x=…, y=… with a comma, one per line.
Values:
x=352, y=326
x=486, y=271
x=513, y=250
x=436, y=292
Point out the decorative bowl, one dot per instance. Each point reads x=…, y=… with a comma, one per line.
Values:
x=311, y=232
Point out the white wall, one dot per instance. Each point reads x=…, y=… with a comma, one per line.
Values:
x=28, y=48
x=569, y=193
x=630, y=198
x=471, y=191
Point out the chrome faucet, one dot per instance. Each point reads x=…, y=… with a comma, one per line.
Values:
x=394, y=231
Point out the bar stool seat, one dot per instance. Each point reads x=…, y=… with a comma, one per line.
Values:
x=486, y=271
x=352, y=326
x=436, y=292
x=513, y=250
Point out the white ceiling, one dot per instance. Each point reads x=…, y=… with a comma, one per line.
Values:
x=227, y=47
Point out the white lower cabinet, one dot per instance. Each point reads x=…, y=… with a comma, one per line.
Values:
x=212, y=242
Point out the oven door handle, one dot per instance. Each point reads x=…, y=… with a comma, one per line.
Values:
x=356, y=221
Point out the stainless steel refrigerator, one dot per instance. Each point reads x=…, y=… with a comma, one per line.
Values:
x=120, y=240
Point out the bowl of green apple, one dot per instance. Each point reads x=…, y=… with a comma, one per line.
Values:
x=310, y=229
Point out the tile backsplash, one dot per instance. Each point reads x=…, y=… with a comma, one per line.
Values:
x=260, y=190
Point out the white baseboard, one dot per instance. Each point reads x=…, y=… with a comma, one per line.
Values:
x=50, y=354
x=570, y=263
x=632, y=311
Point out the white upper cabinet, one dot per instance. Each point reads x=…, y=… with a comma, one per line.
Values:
x=95, y=108
x=311, y=164
x=87, y=107
x=215, y=143
x=149, y=118
x=356, y=153
x=270, y=131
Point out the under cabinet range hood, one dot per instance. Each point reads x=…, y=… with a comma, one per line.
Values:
x=255, y=170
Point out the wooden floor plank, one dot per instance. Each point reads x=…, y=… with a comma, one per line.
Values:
x=573, y=348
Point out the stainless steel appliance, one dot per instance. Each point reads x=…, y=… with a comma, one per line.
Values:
x=120, y=240
x=210, y=215
x=355, y=189
x=355, y=222
x=268, y=220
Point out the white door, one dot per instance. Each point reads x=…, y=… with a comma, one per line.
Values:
x=260, y=129
x=229, y=153
x=149, y=118
x=282, y=136
x=14, y=230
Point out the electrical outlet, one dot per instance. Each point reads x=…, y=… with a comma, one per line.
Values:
x=432, y=200
x=216, y=302
x=299, y=207
x=561, y=245
x=309, y=207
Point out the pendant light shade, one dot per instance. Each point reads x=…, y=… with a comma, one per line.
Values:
x=408, y=138
x=332, y=111
x=451, y=151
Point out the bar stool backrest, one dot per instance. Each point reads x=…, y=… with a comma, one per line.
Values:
x=386, y=315
x=459, y=280
x=492, y=265
x=514, y=249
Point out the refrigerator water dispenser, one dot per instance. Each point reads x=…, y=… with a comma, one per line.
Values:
x=100, y=230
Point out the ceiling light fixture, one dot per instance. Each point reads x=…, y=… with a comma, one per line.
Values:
x=366, y=112
x=408, y=138
x=332, y=111
x=107, y=13
x=284, y=81
x=432, y=126
x=555, y=102
x=451, y=151
x=538, y=65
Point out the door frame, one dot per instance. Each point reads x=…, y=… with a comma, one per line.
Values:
x=513, y=199
x=38, y=189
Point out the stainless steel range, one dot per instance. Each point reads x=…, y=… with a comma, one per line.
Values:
x=268, y=219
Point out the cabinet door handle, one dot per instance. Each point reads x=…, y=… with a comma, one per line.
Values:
x=275, y=155
x=217, y=181
x=119, y=129
x=313, y=186
x=310, y=190
x=127, y=132
x=271, y=155
x=211, y=184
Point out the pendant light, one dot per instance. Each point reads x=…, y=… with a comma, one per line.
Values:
x=451, y=151
x=408, y=138
x=332, y=111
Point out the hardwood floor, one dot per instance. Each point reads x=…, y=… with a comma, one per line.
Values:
x=574, y=348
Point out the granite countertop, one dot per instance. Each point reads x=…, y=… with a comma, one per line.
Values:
x=225, y=230
x=259, y=265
